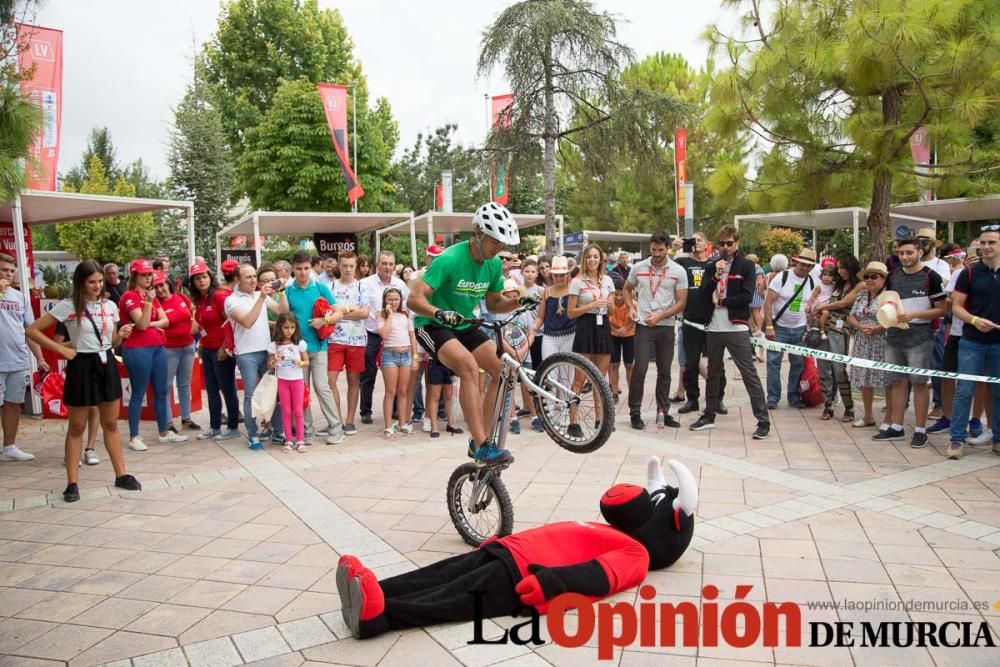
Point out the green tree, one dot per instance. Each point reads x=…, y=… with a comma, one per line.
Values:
x=20, y=119
x=261, y=42
x=833, y=91
x=119, y=239
x=99, y=144
x=562, y=61
x=419, y=170
x=289, y=163
x=200, y=166
x=779, y=239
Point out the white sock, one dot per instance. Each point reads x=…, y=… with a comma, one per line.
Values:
x=883, y=427
x=898, y=427
x=919, y=429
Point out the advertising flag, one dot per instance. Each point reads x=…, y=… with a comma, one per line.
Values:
x=41, y=54
x=335, y=106
x=680, y=168
x=920, y=149
x=439, y=197
x=503, y=107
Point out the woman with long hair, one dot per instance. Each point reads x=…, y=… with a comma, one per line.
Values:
x=835, y=313
x=218, y=371
x=179, y=343
x=144, y=353
x=395, y=326
x=91, y=372
x=588, y=302
x=364, y=267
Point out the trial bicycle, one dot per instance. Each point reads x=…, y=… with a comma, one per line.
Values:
x=568, y=391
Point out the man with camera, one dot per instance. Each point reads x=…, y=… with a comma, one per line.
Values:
x=697, y=314
x=302, y=294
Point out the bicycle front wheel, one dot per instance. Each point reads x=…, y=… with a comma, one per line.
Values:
x=582, y=417
x=480, y=508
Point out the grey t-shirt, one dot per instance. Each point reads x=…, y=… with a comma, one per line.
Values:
x=15, y=316
x=656, y=290
x=917, y=291
x=588, y=291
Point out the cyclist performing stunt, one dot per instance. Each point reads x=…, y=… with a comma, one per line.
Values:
x=446, y=295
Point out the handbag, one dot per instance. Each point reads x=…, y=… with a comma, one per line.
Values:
x=265, y=397
x=813, y=338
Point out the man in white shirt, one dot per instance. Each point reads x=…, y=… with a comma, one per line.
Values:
x=372, y=288
x=347, y=345
x=785, y=322
x=247, y=308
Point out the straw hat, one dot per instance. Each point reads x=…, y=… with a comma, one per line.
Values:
x=874, y=267
x=559, y=265
x=930, y=235
x=889, y=308
x=806, y=256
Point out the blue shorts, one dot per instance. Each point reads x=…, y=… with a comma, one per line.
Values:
x=392, y=359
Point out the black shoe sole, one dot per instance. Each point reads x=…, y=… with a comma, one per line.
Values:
x=702, y=427
x=757, y=436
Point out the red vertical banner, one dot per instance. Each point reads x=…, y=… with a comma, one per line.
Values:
x=680, y=169
x=41, y=55
x=920, y=149
x=335, y=107
x=502, y=112
x=439, y=197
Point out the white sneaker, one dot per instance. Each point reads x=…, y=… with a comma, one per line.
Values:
x=984, y=438
x=90, y=457
x=426, y=428
x=12, y=453
x=170, y=436
x=137, y=444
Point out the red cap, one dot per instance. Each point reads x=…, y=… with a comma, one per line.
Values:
x=140, y=266
x=159, y=277
x=434, y=250
x=198, y=267
x=828, y=261
x=229, y=266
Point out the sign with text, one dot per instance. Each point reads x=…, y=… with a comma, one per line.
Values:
x=680, y=168
x=241, y=256
x=333, y=244
x=42, y=55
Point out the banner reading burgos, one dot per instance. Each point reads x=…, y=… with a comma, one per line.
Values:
x=335, y=106
x=503, y=108
x=41, y=49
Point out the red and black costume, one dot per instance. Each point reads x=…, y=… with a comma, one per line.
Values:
x=646, y=531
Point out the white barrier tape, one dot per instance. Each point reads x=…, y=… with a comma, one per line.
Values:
x=760, y=341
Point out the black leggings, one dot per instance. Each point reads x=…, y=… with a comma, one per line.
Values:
x=441, y=593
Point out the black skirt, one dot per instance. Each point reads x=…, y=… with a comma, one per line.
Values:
x=91, y=379
x=592, y=338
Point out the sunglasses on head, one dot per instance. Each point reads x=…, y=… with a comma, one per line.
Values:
x=990, y=228
x=730, y=242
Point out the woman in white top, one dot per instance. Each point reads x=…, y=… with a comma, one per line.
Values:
x=91, y=372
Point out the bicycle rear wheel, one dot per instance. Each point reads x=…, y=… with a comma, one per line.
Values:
x=582, y=420
x=479, y=518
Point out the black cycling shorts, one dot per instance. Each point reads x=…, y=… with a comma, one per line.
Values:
x=432, y=336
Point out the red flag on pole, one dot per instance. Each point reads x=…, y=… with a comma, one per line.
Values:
x=335, y=106
x=680, y=168
x=439, y=196
x=43, y=52
x=503, y=107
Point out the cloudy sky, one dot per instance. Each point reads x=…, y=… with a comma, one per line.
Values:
x=127, y=62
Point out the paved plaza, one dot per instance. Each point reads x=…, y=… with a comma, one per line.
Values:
x=227, y=556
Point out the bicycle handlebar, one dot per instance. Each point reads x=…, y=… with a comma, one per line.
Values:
x=500, y=323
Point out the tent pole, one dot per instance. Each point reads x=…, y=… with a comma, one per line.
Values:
x=413, y=242
x=814, y=241
x=218, y=257
x=256, y=236
x=854, y=224
x=951, y=232
x=562, y=233
x=190, y=233
x=430, y=229
x=378, y=245
x=21, y=251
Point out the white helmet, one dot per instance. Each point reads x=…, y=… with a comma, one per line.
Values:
x=497, y=222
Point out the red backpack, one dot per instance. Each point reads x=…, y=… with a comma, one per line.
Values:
x=810, y=388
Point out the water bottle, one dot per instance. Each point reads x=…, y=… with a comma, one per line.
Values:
x=660, y=423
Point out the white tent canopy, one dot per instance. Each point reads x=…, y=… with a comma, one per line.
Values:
x=37, y=207
x=432, y=223
x=966, y=209
x=306, y=223
x=853, y=218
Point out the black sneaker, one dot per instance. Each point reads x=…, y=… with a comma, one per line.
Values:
x=690, y=406
x=918, y=441
x=889, y=434
x=574, y=431
x=367, y=419
x=762, y=431
x=515, y=427
x=190, y=425
x=671, y=421
x=128, y=482
x=721, y=409
x=72, y=493
x=637, y=423
x=704, y=423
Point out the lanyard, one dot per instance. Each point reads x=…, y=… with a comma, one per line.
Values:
x=600, y=288
x=723, y=283
x=655, y=289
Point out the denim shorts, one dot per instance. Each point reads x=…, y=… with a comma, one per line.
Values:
x=918, y=356
x=392, y=359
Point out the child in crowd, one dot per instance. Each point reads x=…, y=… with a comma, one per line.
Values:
x=820, y=296
x=289, y=355
x=439, y=382
x=517, y=339
x=395, y=326
x=622, y=335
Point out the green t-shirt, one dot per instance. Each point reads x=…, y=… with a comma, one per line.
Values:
x=459, y=282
